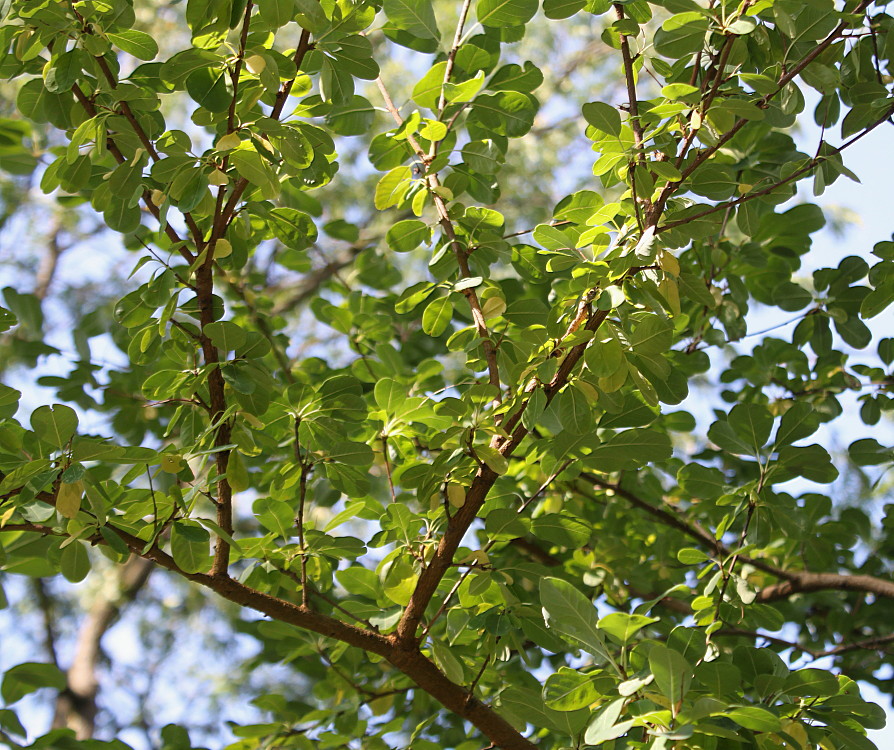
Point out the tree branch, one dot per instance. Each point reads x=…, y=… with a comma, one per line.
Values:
x=762, y=103
x=410, y=662
x=794, y=582
x=811, y=165
x=461, y=253
x=867, y=644
x=229, y=210
x=633, y=110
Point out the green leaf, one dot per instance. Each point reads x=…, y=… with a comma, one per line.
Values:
x=64, y=73
x=575, y=411
x=295, y=229
x=603, y=117
x=350, y=453
x=407, y=235
x=569, y=690
x=653, y=335
x=400, y=581
x=464, y=91
x=567, y=531
x=630, y=448
x=75, y=562
x=869, y=452
x=414, y=16
x=189, y=547
x=252, y=167
x=176, y=69
x=276, y=13
x=691, y=556
x=558, y=9
x=752, y=423
x=508, y=113
x=723, y=435
x=755, y=718
x=811, y=462
x=681, y=35
x=360, y=582
x=54, y=424
x=137, y=43
x=605, y=726
x=447, y=662
x=623, y=626
x=514, y=77
x=702, y=482
x=673, y=674
x=570, y=613
x=800, y=421
x=527, y=707
x=494, y=460
x=811, y=683
x=225, y=335
x=721, y=678
x=355, y=117
x=504, y=523
x=24, y=679
x=437, y=316
x=392, y=188
x=499, y=13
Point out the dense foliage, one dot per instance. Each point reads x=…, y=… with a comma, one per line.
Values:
x=476, y=517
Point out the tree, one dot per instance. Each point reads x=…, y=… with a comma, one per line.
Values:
x=476, y=519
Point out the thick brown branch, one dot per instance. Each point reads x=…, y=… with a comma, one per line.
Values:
x=218, y=404
x=794, y=581
x=410, y=662
x=868, y=644
x=805, y=582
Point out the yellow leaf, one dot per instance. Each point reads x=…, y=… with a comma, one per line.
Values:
x=669, y=290
x=456, y=495
x=171, y=463
x=222, y=248
x=237, y=475
x=256, y=64
x=669, y=263
x=493, y=307
x=218, y=178
x=228, y=141
x=695, y=122
x=68, y=498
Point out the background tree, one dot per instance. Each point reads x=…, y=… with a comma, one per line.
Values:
x=461, y=497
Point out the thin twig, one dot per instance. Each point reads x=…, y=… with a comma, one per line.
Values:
x=461, y=253
x=388, y=467
x=299, y=521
